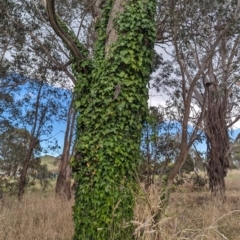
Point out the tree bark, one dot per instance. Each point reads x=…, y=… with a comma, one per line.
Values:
x=187, y=95
x=218, y=139
x=32, y=143
x=22, y=181
x=63, y=185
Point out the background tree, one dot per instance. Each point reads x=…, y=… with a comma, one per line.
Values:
x=160, y=147
x=14, y=143
x=32, y=107
x=234, y=153
x=63, y=185
x=235, y=163
x=30, y=47
x=207, y=59
x=13, y=149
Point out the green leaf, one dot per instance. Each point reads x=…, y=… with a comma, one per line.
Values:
x=77, y=104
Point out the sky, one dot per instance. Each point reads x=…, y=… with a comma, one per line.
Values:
x=51, y=97
x=58, y=132
x=154, y=100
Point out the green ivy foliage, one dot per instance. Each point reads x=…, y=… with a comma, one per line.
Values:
x=109, y=130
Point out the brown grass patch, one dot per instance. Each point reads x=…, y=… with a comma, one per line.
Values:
x=189, y=215
x=37, y=217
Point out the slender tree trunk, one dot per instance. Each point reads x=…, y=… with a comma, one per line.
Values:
x=22, y=181
x=63, y=185
x=149, y=167
x=38, y=120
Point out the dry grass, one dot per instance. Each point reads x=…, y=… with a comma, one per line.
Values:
x=190, y=215
x=37, y=217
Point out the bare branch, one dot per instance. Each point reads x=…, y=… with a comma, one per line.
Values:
x=54, y=21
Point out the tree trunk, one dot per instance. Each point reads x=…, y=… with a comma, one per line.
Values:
x=32, y=143
x=63, y=185
x=217, y=137
x=22, y=181
x=111, y=98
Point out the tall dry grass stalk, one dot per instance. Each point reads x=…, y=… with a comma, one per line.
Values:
x=36, y=217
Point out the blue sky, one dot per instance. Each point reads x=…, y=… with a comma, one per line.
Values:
x=58, y=126
x=54, y=125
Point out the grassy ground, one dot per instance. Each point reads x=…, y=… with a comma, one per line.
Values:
x=190, y=215
x=37, y=217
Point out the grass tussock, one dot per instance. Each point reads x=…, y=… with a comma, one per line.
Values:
x=36, y=217
x=190, y=215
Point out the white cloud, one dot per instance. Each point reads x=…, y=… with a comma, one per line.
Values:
x=156, y=99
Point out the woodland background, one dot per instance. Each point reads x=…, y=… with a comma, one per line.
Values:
x=190, y=138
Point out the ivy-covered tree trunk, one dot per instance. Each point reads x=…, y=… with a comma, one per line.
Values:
x=111, y=98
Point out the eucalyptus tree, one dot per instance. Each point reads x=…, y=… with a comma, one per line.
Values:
x=39, y=106
x=206, y=81
x=13, y=147
x=63, y=185
x=235, y=157
x=160, y=145
x=28, y=43
x=30, y=48
x=32, y=107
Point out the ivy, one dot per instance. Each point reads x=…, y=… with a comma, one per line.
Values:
x=109, y=131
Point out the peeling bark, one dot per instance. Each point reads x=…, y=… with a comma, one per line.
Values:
x=217, y=137
x=111, y=31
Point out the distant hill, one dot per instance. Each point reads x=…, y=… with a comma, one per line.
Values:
x=51, y=162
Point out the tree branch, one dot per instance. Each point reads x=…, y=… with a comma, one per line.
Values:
x=54, y=21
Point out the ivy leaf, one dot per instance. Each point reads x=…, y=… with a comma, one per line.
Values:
x=77, y=104
x=130, y=99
